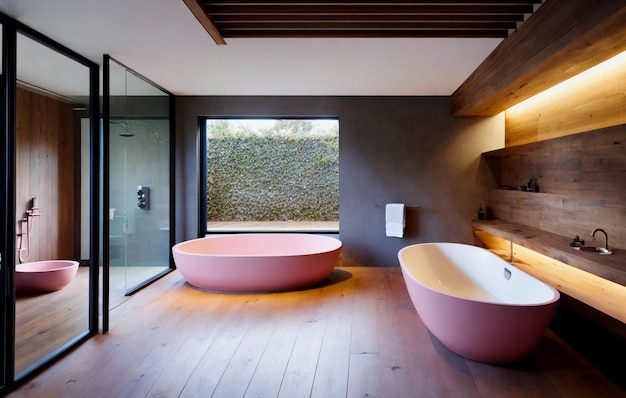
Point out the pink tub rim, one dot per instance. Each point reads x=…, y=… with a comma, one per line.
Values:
x=44, y=276
x=555, y=294
x=257, y=262
x=330, y=244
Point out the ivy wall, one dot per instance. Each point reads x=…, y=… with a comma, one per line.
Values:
x=273, y=178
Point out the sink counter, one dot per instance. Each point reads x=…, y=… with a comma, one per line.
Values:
x=610, y=267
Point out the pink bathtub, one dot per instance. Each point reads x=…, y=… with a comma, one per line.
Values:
x=44, y=276
x=475, y=303
x=257, y=262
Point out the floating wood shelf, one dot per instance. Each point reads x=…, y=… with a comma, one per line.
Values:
x=596, y=280
x=611, y=267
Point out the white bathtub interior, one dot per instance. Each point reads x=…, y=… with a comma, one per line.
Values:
x=476, y=274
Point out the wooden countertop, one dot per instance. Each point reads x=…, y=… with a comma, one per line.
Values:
x=611, y=267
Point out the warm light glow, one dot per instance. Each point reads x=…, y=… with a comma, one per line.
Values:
x=602, y=294
x=599, y=74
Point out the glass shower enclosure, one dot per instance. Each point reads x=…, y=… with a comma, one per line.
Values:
x=138, y=207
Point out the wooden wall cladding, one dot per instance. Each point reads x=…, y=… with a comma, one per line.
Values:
x=563, y=215
x=560, y=40
x=45, y=170
x=587, y=105
x=582, y=182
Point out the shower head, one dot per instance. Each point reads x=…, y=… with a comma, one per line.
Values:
x=125, y=132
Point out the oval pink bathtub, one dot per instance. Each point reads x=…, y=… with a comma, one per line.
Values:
x=257, y=262
x=475, y=303
x=44, y=276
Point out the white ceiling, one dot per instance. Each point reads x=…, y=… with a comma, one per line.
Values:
x=162, y=40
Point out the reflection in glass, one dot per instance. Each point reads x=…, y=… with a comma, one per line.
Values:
x=52, y=96
x=139, y=182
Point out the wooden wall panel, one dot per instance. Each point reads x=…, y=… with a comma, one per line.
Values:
x=582, y=182
x=562, y=39
x=589, y=104
x=45, y=170
x=591, y=164
x=563, y=215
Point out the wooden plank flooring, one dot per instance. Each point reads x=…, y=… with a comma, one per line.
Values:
x=357, y=335
x=44, y=322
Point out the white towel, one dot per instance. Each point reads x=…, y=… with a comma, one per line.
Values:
x=394, y=219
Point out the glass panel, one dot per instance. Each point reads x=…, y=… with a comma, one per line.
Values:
x=52, y=305
x=139, y=182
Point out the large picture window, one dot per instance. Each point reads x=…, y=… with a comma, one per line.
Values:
x=272, y=174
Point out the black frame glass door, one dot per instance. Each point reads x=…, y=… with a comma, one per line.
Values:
x=138, y=153
x=80, y=108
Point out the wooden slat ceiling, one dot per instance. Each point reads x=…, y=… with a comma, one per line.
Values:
x=348, y=19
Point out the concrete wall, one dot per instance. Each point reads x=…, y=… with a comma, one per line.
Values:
x=391, y=149
x=140, y=237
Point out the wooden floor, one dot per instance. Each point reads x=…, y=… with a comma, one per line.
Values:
x=44, y=322
x=356, y=336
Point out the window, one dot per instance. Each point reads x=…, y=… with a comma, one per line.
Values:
x=272, y=174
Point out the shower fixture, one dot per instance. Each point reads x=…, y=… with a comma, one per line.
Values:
x=124, y=127
x=26, y=225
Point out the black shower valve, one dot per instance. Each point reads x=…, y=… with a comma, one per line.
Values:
x=143, y=197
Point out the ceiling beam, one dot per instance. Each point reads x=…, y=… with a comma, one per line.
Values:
x=365, y=2
x=496, y=18
x=561, y=39
x=363, y=9
x=380, y=33
x=197, y=10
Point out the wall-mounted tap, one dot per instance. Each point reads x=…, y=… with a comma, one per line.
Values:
x=606, y=237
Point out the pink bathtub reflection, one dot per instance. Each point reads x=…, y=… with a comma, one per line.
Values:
x=257, y=262
x=44, y=276
x=475, y=303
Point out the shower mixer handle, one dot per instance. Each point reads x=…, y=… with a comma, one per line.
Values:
x=34, y=210
x=143, y=197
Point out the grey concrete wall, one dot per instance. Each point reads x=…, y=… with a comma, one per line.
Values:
x=140, y=237
x=391, y=149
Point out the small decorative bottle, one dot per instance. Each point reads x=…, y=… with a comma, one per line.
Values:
x=481, y=212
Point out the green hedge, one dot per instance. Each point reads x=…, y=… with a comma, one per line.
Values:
x=269, y=178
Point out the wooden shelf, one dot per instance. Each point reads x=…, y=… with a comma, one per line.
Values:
x=610, y=267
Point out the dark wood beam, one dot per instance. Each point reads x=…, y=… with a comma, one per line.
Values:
x=495, y=18
x=197, y=10
x=374, y=25
x=366, y=2
x=371, y=9
x=562, y=39
x=343, y=33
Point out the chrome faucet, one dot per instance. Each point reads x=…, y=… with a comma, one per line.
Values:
x=606, y=237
